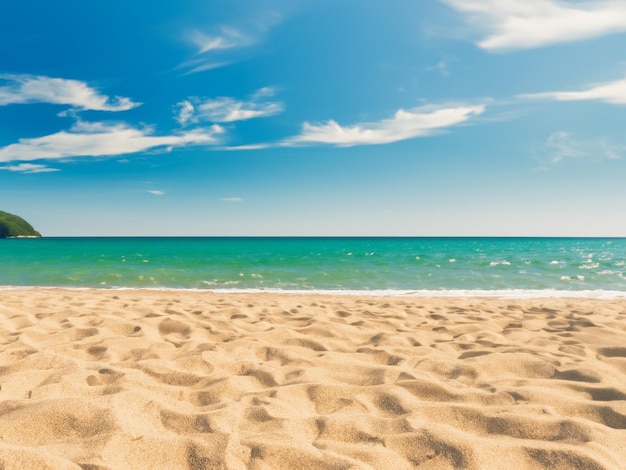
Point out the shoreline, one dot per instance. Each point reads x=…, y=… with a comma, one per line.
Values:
x=511, y=294
x=102, y=378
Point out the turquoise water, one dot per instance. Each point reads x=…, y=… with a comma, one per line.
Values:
x=416, y=265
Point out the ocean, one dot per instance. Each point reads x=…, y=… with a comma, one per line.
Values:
x=525, y=267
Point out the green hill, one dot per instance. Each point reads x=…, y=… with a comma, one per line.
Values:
x=14, y=226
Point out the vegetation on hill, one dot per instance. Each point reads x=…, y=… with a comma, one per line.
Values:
x=14, y=226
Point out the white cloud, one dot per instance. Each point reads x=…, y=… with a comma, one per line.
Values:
x=264, y=92
x=231, y=199
x=609, y=92
x=24, y=89
x=561, y=146
x=205, y=43
x=28, y=168
x=228, y=40
x=404, y=125
x=102, y=139
x=247, y=147
x=227, y=109
x=524, y=24
x=210, y=52
x=185, y=111
x=442, y=67
x=227, y=37
x=203, y=66
x=156, y=192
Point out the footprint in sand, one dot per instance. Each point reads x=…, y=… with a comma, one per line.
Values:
x=578, y=375
x=83, y=333
x=613, y=352
x=185, y=423
x=174, y=327
x=97, y=352
x=601, y=393
x=104, y=377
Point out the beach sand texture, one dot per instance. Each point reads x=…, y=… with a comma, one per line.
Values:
x=98, y=379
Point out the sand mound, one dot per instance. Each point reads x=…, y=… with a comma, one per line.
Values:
x=149, y=379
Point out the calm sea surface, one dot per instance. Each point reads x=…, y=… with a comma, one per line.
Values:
x=442, y=266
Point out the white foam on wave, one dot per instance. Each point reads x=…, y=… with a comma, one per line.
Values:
x=435, y=293
x=497, y=293
x=589, y=266
x=503, y=263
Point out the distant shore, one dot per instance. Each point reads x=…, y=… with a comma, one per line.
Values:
x=167, y=379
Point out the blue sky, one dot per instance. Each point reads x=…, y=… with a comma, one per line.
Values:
x=302, y=117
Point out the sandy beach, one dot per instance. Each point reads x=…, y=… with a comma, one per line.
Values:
x=99, y=379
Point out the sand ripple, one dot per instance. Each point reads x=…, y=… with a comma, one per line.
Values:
x=169, y=380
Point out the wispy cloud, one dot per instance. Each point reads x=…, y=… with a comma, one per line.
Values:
x=233, y=148
x=202, y=65
x=228, y=39
x=25, y=89
x=156, y=192
x=103, y=139
x=231, y=199
x=28, y=168
x=609, y=92
x=215, y=48
x=442, y=67
x=226, y=109
x=561, y=146
x=524, y=24
x=403, y=125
